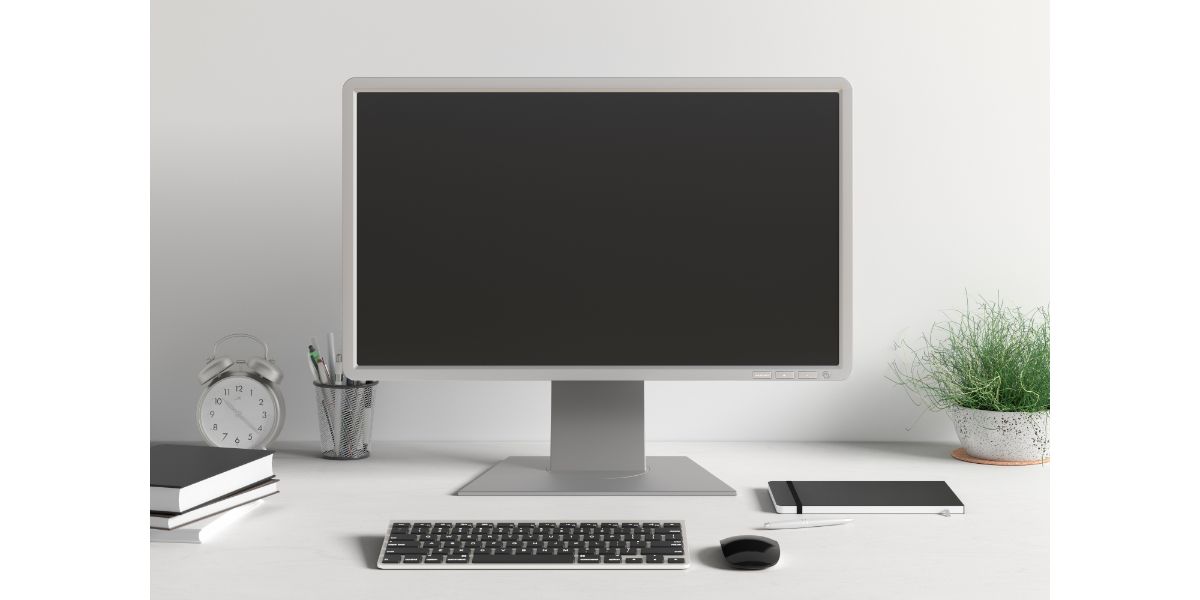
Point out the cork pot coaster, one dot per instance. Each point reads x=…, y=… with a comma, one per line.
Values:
x=962, y=455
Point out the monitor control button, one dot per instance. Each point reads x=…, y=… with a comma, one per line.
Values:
x=785, y=374
x=806, y=374
x=761, y=375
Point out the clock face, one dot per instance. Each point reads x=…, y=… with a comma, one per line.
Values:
x=238, y=412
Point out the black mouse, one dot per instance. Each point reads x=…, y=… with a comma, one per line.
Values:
x=750, y=551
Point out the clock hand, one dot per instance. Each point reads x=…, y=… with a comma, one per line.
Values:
x=239, y=414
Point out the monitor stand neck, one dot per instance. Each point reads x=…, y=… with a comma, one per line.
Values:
x=598, y=426
x=597, y=448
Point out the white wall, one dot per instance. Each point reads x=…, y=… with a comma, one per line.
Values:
x=951, y=180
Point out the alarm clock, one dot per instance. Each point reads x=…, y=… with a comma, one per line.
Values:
x=240, y=405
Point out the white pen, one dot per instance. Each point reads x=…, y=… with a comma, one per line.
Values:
x=805, y=523
x=333, y=353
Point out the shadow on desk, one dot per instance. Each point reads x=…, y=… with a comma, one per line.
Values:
x=400, y=454
x=370, y=548
x=764, y=500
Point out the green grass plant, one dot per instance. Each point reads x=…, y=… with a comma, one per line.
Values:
x=992, y=357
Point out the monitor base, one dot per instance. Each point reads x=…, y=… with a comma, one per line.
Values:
x=531, y=476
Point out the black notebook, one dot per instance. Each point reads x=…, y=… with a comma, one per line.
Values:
x=182, y=477
x=825, y=497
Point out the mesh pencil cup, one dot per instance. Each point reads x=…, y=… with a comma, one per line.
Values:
x=344, y=418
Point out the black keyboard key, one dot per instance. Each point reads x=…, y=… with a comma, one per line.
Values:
x=510, y=559
x=675, y=560
x=612, y=559
x=589, y=560
x=651, y=525
x=634, y=561
x=435, y=559
x=412, y=559
x=668, y=544
x=660, y=551
x=405, y=537
x=456, y=559
x=404, y=551
x=392, y=558
x=654, y=559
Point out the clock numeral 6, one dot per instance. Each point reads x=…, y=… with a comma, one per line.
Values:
x=237, y=440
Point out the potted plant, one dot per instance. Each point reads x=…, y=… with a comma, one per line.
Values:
x=989, y=368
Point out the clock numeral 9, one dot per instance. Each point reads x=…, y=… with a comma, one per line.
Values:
x=212, y=413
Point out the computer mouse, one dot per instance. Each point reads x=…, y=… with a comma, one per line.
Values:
x=750, y=551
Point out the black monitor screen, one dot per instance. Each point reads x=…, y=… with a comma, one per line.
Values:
x=597, y=228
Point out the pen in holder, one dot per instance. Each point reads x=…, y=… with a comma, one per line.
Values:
x=344, y=417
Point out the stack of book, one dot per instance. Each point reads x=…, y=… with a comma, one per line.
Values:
x=197, y=491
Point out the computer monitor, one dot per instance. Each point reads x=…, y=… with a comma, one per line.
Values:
x=597, y=233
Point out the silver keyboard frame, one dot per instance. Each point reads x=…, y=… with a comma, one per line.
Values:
x=601, y=566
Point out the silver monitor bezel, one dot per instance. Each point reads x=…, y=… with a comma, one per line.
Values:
x=591, y=373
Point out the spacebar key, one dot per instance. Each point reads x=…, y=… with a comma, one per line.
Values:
x=522, y=559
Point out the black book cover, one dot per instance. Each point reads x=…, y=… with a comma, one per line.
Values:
x=178, y=466
x=862, y=496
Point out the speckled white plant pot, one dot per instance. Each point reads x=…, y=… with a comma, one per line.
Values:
x=1007, y=436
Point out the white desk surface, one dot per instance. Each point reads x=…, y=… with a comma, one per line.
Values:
x=320, y=536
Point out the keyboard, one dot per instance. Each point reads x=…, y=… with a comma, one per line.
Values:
x=534, y=545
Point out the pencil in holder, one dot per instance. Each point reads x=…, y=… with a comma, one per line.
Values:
x=344, y=417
